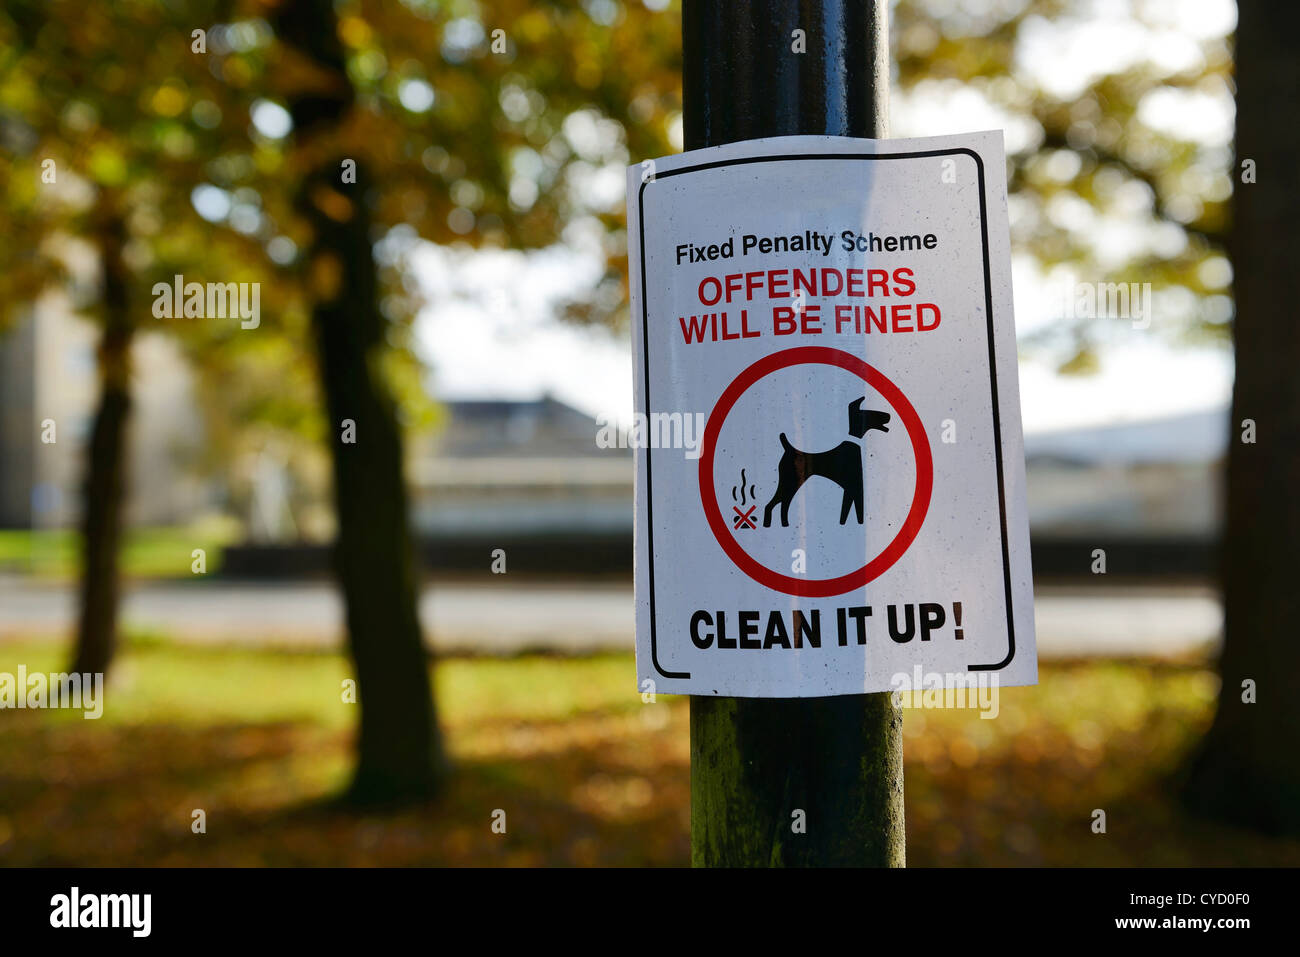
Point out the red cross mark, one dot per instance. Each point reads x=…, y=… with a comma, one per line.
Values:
x=744, y=519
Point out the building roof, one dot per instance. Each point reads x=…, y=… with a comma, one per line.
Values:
x=515, y=428
x=1188, y=438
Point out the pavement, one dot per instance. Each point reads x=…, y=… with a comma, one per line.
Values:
x=508, y=617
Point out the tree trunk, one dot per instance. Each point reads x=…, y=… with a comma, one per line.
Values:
x=400, y=752
x=755, y=761
x=105, y=476
x=1248, y=769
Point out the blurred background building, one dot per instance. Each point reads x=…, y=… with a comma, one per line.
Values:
x=48, y=372
x=505, y=466
x=1157, y=477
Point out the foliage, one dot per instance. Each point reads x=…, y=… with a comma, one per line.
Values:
x=464, y=136
x=522, y=148
x=1100, y=157
x=135, y=123
x=1093, y=163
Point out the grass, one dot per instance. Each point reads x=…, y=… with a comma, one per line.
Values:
x=153, y=552
x=586, y=773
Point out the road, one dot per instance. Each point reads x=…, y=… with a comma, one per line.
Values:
x=572, y=618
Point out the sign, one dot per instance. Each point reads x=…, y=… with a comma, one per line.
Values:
x=830, y=491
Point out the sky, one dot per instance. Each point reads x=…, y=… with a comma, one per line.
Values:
x=483, y=341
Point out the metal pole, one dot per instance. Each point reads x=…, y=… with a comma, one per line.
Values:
x=757, y=763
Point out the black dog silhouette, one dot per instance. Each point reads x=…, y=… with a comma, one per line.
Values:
x=842, y=465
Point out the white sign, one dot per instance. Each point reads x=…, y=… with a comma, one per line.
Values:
x=830, y=489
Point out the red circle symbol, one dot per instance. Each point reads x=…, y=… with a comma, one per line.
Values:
x=817, y=587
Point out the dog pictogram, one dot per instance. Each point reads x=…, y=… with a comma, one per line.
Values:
x=842, y=465
x=747, y=434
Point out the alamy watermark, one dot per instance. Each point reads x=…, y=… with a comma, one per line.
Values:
x=655, y=430
x=214, y=300
x=978, y=690
x=1107, y=300
x=84, y=691
x=74, y=909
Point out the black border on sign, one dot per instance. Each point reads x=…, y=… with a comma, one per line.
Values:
x=993, y=379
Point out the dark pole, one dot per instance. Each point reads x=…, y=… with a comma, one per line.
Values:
x=757, y=762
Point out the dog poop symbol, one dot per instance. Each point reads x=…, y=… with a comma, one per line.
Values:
x=842, y=465
x=744, y=517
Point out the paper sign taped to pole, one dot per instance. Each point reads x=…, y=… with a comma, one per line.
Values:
x=830, y=488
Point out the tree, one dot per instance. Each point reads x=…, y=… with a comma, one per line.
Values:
x=503, y=156
x=101, y=95
x=105, y=478
x=1248, y=768
x=169, y=144
x=400, y=751
x=103, y=218
x=464, y=146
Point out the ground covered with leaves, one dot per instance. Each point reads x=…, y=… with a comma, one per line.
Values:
x=585, y=772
